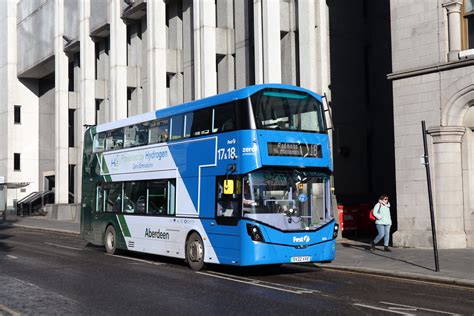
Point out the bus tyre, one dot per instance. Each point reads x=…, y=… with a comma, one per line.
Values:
x=195, y=252
x=110, y=240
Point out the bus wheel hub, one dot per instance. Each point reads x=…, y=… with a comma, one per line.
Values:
x=196, y=251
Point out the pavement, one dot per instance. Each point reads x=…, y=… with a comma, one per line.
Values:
x=456, y=266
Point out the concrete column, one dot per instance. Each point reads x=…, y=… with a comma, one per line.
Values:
x=323, y=79
x=188, y=47
x=225, y=64
x=271, y=41
x=175, y=43
x=307, y=43
x=156, y=36
x=225, y=71
x=258, y=40
x=61, y=107
x=454, y=28
x=288, y=43
x=87, y=86
x=118, y=62
x=242, y=47
x=176, y=89
x=204, y=21
x=448, y=186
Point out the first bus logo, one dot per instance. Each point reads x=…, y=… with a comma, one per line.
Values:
x=305, y=238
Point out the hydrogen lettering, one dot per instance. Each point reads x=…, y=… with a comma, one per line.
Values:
x=155, y=155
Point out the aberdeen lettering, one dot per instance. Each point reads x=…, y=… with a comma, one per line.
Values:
x=156, y=234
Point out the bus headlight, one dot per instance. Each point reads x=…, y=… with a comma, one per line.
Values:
x=336, y=231
x=254, y=232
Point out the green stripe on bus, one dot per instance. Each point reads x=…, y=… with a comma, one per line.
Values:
x=284, y=95
x=123, y=223
x=105, y=169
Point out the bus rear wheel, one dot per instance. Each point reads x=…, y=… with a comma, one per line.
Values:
x=110, y=240
x=195, y=252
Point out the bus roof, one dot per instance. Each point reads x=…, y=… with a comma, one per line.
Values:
x=200, y=104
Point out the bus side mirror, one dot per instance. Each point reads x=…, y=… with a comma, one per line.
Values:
x=228, y=186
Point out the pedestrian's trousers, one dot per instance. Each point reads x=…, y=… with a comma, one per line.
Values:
x=384, y=232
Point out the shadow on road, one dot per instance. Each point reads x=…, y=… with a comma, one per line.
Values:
x=4, y=236
x=254, y=271
x=366, y=249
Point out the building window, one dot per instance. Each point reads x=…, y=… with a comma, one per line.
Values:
x=71, y=128
x=16, y=162
x=17, y=114
x=468, y=24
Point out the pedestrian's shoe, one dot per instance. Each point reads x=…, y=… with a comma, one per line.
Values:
x=372, y=246
x=386, y=249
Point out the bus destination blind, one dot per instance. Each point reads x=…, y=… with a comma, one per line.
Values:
x=294, y=150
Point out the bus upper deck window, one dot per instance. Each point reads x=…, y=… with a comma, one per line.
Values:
x=114, y=139
x=224, y=119
x=288, y=110
x=201, y=123
x=177, y=127
x=188, y=123
x=99, y=143
x=158, y=131
x=136, y=135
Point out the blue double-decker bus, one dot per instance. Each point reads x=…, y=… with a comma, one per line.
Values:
x=241, y=178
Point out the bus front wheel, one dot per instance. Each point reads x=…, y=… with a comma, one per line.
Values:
x=110, y=240
x=195, y=252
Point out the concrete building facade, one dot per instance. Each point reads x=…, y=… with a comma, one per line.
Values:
x=433, y=80
x=68, y=64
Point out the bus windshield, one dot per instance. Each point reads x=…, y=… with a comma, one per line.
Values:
x=287, y=110
x=287, y=200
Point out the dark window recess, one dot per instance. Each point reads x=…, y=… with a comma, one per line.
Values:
x=71, y=128
x=71, y=183
x=71, y=76
x=97, y=110
x=16, y=162
x=17, y=114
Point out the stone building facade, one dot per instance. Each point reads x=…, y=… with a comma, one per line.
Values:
x=433, y=80
x=67, y=64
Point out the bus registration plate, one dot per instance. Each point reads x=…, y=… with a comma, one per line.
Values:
x=301, y=259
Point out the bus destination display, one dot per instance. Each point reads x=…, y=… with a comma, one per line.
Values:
x=294, y=150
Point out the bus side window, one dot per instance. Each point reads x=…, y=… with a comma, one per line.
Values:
x=134, y=197
x=114, y=139
x=113, y=197
x=177, y=127
x=99, y=143
x=188, y=122
x=99, y=206
x=171, y=197
x=158, y=131
x=161, y=197
x=136, y=135
x=157, y=198
x=224, y=119
x=201, y=125
x=227, y=204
